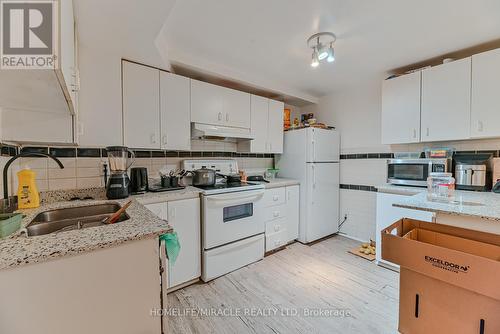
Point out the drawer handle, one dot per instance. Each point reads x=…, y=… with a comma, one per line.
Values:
x=275, y=198
x=276, y=228
x=277, y=242
x=276, y=214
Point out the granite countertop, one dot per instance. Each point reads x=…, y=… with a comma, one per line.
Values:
x=278, y=183
x=18, y=249
x=400, y=190
x=485, y=205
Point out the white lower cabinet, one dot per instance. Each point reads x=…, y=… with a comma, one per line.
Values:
x=110, y=290
x=281, y=215
x=387, y=214
x=184, y=217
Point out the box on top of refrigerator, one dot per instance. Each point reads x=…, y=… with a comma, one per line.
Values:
x=449, y=278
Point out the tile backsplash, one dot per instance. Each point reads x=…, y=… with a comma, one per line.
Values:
x=84, y=167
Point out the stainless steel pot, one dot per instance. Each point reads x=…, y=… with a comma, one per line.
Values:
x=203, y=177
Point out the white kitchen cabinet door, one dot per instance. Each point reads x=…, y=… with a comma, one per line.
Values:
x=109, y=290
x=141, y=106
x=387, y=214
x=184, y=217
x=236, y=106
x=67, y=57
x=485, y=109
x=446, y=96
x=401, y=109
x=292, y=212
x=259, y=123
x=159, y=209
x=275, y=127
x=175, y=112
x=206, y=103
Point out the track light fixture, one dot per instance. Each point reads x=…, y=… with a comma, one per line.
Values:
x=322, y=45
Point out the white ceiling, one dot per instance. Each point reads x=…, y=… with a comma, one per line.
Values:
x=264, y=41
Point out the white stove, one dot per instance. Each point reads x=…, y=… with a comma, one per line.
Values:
x=224, y=167
x=232, y=223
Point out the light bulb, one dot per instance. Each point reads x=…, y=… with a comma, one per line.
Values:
x=315, y=61
x=331, y=55
x=322, y=52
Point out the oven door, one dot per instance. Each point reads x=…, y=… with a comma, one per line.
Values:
x=230, y=217
x=408, y=172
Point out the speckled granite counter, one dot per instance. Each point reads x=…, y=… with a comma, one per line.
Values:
x=19, y=250
x=483, y=205
x=400, y=190
x=279, y=182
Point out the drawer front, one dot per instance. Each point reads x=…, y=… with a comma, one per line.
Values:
x=276, y=225
x=276, y=240
x=274, y=197
x=274, y=212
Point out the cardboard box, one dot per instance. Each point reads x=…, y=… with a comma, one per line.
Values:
x=449, y=278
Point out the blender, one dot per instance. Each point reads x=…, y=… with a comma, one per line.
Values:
x=118, y=182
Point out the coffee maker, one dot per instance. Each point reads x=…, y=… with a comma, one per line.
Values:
x=118, y=184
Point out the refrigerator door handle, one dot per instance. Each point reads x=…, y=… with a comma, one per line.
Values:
x=314, y=176
x=313, y=151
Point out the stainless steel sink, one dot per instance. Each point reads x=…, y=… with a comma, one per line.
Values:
x=66, y=219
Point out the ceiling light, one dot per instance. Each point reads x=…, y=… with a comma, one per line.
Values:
x=331, y=54
x=315, y=60
x=322, y=45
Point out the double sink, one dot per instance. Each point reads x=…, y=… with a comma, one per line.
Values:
x=74, y=218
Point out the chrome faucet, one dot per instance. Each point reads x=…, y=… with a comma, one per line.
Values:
x=9, y=204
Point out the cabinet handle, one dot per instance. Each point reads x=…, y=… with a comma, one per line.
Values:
x=480, y=126
x=219, y=116
x=153, y=139
x=227, y=117
x=427, y=132
x=276, y=214
x=288, y=194
x=414, y=133
x=277, y=242
x=164, y=139
x=276, y=228
x=275, y=198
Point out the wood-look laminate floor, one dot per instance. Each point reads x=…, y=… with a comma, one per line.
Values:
x=285, y=292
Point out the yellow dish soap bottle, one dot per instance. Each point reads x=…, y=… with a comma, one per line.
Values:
x=27, y=191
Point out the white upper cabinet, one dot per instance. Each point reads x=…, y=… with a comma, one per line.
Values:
x=485, y=107
x=141, y=105
x=175, y=114
x=266, y=126
x=68, y=71
x=275, y=126
x=216, y=105
x=236, y=108
x=401, y=109
x=206, y=103
x=446, y=97
x=259, y=124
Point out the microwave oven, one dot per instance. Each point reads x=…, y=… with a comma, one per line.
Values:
x=414, y=172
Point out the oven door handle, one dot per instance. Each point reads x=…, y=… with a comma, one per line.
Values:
x=234, y=199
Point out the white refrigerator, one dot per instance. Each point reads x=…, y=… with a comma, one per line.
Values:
x=311, y=155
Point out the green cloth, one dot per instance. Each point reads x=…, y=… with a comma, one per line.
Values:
x=172, y=246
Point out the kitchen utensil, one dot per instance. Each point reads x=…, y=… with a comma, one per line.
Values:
x=115, y=216
x=174, y=181
x=257, y=178
x=165, y=180
x=203, y=177
x=231, y=178
x=118, y=185
x=138, y=180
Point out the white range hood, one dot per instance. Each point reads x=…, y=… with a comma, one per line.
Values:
x=207, y=131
